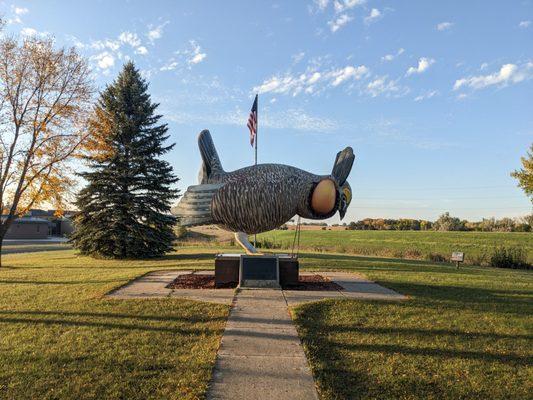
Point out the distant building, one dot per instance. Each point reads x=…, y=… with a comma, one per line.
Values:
x=28, y=228
x=40, y=224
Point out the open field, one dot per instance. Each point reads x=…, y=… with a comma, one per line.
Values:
x=477, y=246
x=463, y=333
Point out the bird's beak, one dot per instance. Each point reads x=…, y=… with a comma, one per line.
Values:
x=342, y=213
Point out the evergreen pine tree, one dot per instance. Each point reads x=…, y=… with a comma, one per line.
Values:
x=124, y=211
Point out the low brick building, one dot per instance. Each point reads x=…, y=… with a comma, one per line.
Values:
x=28, y=228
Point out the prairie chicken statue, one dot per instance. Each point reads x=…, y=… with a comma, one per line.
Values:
x=262, y=197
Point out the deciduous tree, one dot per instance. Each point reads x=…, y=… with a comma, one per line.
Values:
x=44, y=95
x=525, y=174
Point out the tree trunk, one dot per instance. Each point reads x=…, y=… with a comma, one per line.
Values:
x=2, y=234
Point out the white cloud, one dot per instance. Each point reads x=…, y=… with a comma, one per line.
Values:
x=28, y=32
x=508, y=74
x=296, y=58
x=156, y=33
x=444, y=26
x=390, y=57
x=374, y=15
x=104, y=60
x=524, y=24
x=346, y=73
x=343, y=5
x=384, y=86
x=112, y=45
x=20, y=10
x=423, y=64
x=339, y=22
x=427, y=95
x=130, y=38
x=483, y=66
x=297, y=119
x=169, y=66
x=196, y=55
x=141, y=50
x=322, y=4
x=312, y=80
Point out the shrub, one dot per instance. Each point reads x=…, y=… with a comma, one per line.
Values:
x=412, y=253
x=509, y=257
x=436, y=257
x=180, y=231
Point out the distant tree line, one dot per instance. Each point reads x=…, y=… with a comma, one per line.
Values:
x=445, y=222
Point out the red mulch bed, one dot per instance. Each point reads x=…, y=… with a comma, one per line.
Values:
x=204, y=281
x=197, y=281
x=314, y=282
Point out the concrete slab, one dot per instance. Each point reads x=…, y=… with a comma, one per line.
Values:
x=218, y=296
x=260, y=355
x=353, y=287
x=152, y=284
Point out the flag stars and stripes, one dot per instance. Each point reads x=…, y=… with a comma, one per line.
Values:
x=252, y=122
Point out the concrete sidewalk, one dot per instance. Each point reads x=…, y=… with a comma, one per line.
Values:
x=260, y=355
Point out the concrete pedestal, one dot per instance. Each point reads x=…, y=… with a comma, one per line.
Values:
x=227, y=269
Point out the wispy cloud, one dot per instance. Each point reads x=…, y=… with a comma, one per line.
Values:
x=20, y=10
x=339, y=22
x=196, y=55
x=343, y=5
x=390, y=57
x=129, y=38
x=426, y=95
x=294, y=118
x=374, y=16
x=423, y=64
x=312, y=80
x=443, y=26
x=524, y=24
x=155, y=33
x=383, y=85
x=507, y=75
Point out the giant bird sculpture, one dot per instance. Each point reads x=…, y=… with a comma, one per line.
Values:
x=262, y=197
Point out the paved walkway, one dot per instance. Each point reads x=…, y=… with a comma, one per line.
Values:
x=260, y=355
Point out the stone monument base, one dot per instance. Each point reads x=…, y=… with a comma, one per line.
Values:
x=228, y=267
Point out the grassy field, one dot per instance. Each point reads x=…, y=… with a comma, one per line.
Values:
x=463, y=333
x=60, y=339
x=477, y=246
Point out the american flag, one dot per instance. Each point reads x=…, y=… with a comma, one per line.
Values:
x=252, y=122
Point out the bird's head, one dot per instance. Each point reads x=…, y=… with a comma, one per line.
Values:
x=333, y=192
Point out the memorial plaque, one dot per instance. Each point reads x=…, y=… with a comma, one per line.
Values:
x=259, y=271
x=458, y=256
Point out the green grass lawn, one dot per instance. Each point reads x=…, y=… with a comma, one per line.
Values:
x=464, y=333
x=477, y=246
x=60, y=339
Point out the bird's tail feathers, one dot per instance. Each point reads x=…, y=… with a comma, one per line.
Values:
x=211, y=161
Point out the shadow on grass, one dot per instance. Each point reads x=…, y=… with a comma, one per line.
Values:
x=163, y=318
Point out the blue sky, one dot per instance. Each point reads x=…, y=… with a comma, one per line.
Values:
x=434, y=97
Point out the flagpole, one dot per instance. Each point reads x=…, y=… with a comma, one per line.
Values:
x=255, y=159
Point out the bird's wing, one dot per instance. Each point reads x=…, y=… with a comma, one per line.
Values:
x=194, y=207
x=343, y=165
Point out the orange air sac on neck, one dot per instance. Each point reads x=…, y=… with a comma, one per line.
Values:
x=323, y=198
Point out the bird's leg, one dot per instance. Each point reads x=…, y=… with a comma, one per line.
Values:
x=242, y=239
